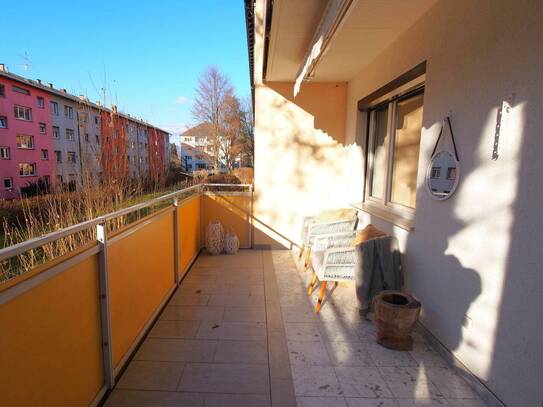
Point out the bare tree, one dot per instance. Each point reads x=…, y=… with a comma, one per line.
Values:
x=211, y=107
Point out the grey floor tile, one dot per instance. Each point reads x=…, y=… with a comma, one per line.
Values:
x=174, y=329
x=192, y=313
x=315, y=381
x=308, y=354
x=450, y=384
x=148, y=375
x=247, y=352
x=321, y=402
x=362, y=382
x=423, y=403
x=236, y=400
x=336, y=331
x=180, y=298
x=225, y=378
x=364, y=402
x=228, y=300
x=176, y=350
x=301, y=313
x=138, y=398
x=426, y=356
x=244, y=314
x=409, y=383
x=349, y=353
x=466, y=403
x=302, y=331
x=282, y=393
x=232, y=330
x=387, y=357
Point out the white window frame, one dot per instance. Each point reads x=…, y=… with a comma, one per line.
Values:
x=71, y=157
x=28, y=143
x=5, y=153
x=3, y=122
x=58, y=156
x=68, y=112
x=44, y=128
x=40, y=101
x=10, y=179
x=54, y=108
x=44, y=157
x=384, y=207
x=22, y=113
x=72, y=134
x=32, y=174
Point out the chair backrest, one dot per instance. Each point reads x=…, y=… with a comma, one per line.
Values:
x=336, y=214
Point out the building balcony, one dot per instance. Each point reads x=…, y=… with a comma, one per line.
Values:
x=142, y=317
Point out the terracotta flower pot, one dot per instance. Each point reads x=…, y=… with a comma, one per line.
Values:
x=395, y=316
x=214, y=238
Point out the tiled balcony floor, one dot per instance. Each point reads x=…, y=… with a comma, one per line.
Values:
x=241, y=331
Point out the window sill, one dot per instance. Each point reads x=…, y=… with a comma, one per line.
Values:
x=386, y=214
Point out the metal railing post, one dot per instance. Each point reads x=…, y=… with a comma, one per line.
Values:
x=105, y=316
x=176, y=240
x=251, y=216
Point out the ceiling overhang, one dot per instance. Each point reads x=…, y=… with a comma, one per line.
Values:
x=351, y=35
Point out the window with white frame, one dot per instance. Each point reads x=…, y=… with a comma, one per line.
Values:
x=68, y=112
x=8, y=183
x=394, y=123
x=4, y=153
x=70, y=134
x=3, y=122
x=58, y=156
x=54, y=108
x=22, y=113
x=45, y=154
x=43, y=128
x=41, y=102
x=56, y=132
x=71, y=157
x=27, y=169
x=25, y=142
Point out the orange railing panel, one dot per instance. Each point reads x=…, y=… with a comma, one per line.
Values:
x=232, y=210
x=140, y=267
x=50, y=343
x=189, y=231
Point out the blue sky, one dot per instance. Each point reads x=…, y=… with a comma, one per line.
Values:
x=146, y=54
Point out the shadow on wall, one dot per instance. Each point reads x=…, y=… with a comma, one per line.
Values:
x=467, y=257
x=300, y=169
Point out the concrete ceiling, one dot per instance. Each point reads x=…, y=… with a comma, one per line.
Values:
x=368, y=30
x=293, y=25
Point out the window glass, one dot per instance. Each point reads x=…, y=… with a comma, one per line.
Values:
x=379, y=147
x=406, y=150
x=3, y=122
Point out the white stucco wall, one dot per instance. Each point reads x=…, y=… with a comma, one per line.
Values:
x=477, y=255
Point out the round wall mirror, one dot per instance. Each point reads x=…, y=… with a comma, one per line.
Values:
x=442, y=175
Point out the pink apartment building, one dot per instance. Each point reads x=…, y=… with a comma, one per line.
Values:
x=26, y=143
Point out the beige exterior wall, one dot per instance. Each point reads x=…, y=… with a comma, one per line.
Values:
x=474, y=257
x=302, y=165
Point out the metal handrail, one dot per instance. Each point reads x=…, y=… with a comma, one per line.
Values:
x=36, y=242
